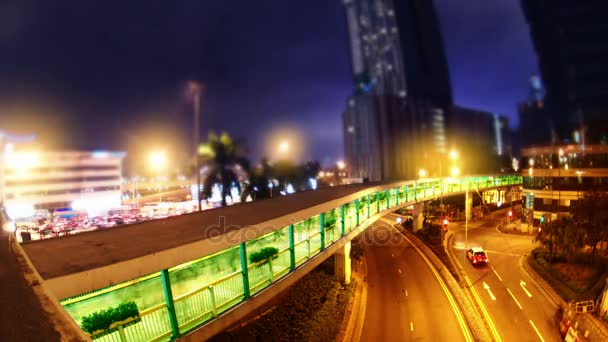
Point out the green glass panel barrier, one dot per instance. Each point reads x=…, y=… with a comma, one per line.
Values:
x=303, y=244
x=392, y=197
x=382, y=199
x=363, y=209
x=193, y=275
x=401, y=195
x=373, y=204
x=262, y=273
x=350, y=216
x=332, y=226
x=154, y=326
x=146, y=292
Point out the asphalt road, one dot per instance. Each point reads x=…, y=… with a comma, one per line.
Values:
x=404, y=300
x=518, y=308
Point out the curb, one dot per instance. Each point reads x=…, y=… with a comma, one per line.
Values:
x=590, y=321
x=463, y=281
x=63, y=323
x=353, y=323
x=547, y=290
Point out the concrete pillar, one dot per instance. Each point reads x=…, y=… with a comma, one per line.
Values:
x=342, y=267
x=418, y=215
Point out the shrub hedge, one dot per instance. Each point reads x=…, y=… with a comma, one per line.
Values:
x=101, y=320
x=538, y=259
x=263, y=254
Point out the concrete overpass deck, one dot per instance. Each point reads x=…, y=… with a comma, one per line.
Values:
x=178, y=256
x=76, y=253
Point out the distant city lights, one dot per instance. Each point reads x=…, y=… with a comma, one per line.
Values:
x=313, y=183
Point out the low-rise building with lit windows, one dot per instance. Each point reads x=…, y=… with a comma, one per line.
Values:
x=555, y=177
x=43, y=180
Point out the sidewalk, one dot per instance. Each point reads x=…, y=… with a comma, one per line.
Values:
x=28, y=312
x=589, y=327
x=518, y=228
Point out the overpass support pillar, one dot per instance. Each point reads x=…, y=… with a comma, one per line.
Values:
x=342, y=264
x=418, y=215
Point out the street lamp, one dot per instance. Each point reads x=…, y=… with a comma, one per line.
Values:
x=158, y=162
x=284, y=146
x=422, y=173
x=341, y=165
x=455, y=171
x=453, y=155
x=195, y=89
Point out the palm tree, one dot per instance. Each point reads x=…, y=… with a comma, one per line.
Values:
x=257, y=184
x=223, y=156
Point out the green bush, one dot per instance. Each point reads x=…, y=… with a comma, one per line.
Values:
x=263, y=254
x=101, y=320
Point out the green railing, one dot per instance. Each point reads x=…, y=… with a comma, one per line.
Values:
x=177, y=300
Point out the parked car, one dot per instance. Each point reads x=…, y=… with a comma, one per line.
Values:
x=477, y=255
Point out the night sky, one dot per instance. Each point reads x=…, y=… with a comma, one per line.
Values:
x=110, y=74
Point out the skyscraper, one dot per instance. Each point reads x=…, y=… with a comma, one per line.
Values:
x=571, y=42
x=565, y=152
x=402, y=90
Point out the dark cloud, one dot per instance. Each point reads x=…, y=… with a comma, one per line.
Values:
x=104, y=73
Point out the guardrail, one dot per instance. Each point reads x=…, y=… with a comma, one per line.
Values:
x=206, y=287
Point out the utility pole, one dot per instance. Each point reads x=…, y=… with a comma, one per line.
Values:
x=197, y=139
x=195, y=90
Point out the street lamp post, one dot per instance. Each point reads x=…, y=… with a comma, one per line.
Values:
x=466, y=217
x=158, y=162
x=195, y=89
x=196, y=142
x=454, y=172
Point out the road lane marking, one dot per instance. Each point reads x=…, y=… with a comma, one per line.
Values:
x=493, y=270
x=411, y=326
x=480, y=303
x=487, y=287
x=504, y=253
x=523, y=286
x=515, y=299
x=537, y=332
x=459, y=316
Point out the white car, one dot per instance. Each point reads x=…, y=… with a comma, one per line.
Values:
x=477, y=256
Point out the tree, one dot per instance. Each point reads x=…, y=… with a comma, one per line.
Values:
x=556, y=236
x=257, y=184
x=222, y=155
x=591, y=214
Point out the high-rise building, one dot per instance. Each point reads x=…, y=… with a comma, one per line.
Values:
x=400, y=118
x=565, y=132
x=397, y=49
x=402, y=89
x=571, y=42
x=535, y=125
